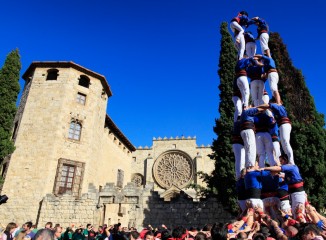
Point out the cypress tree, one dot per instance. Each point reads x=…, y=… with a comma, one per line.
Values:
x=223, y=178
x=9, y=89
x=308, y=133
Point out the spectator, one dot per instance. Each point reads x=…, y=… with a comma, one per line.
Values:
x=44, y=234
x=57, y=232
x=7, y=234
x=78, y=234
x=48, y=225
x=28, y=228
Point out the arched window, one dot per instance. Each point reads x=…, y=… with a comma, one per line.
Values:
x=52, y=74
x=75, y=130
x=84, y=81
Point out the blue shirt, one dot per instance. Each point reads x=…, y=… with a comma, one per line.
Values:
x=253, y=179
x=242, y=20
x=248, y=115
x=273, y=130
x=283, y=185
x=243, y=64
x=278, y=110
x=292, y=174
x=31, y=234
x=254, y=72
x=269, y=63
x=263, y=121
x=262, y=25
x=249, y=37
x=270, y=183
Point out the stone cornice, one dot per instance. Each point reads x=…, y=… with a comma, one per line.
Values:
x=109, y=122
x=65, y=64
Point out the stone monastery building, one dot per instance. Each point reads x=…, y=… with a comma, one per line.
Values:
x=72, y=164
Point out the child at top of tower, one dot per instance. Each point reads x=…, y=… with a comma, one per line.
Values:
x=263, y=36
x=237, y=26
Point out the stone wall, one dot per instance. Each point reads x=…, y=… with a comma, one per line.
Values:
x=182, y=210
x=67, y=210
x=131, y=206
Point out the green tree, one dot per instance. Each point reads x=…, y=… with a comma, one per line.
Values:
x=9, y=89
x=223, y=178
x=308, y=133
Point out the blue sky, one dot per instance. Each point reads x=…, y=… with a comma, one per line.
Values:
x=159, y=57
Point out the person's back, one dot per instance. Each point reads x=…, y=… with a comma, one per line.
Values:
x=67, y=234
x=78, y=235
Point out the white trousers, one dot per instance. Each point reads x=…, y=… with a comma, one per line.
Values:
x=271, y=203
x=276, y=151
x=239, y=155
x=285, y=133
x=237, y=107
x=273, y=81
x=264, y=146
x=251, y=49
x=265, y=98
x=243, y=85
x=240, y=43
x=296, y=199
x=248, y=137
x=263, y=39
x=257, y=91
x=285, y=206
x=257, y=203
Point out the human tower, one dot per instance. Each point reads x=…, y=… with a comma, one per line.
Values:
x=269, y=184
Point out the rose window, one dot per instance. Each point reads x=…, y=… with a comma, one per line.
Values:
x=173, y=168
x=138, y=180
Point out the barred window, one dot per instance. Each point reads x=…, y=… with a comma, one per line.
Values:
x=81, y=98
x=75, y=130
x=52, y=74
x=69, y=177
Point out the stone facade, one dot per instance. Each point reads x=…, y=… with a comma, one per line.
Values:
x=60, y=135
x=171, y=164
x=72, y=164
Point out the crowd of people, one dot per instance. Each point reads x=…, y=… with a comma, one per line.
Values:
x=252, y=224
x=113, y=232
x=269, y=186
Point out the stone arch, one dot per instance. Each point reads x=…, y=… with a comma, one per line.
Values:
x=173, y=168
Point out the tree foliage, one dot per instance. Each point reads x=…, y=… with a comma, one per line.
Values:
x=308, y=133
x=9, y=89
x=223, y=178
